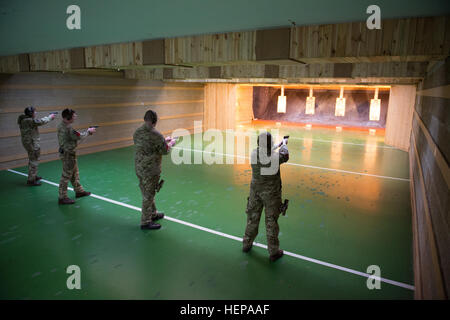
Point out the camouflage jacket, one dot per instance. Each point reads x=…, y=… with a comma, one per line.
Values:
x=150, y=147
x=68, y=137
x=29, y=129
x=266, y=171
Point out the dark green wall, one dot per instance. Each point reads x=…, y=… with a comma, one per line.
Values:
x=32, y=26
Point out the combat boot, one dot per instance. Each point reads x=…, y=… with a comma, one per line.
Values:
x=246, y=248
x=150, y=226
x=276, y=256
x=82, y=194
x=34, y=183
x=66, y=201
x=38, y=178
x=157, y=216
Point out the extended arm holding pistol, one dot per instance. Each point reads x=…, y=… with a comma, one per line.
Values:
x=283, y=142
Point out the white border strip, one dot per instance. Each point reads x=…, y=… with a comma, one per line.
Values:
x=225, y=235
x=299, y=165
x=349, y=143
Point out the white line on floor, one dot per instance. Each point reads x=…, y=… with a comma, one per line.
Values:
x=349, y=143
x=331, y=141
x=298, y=165
x=225, y=235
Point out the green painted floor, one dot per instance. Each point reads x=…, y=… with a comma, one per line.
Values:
x=342, y=218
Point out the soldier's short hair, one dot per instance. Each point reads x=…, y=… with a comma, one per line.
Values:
x=151, y=116
x=68, y=113
x=29, y=111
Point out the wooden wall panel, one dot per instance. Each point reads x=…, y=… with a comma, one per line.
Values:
x=272, y=45
x=411, y=39
x=382, y=72
x=50, y=60
x=220, y=105
x=399, y=117
x=211, y=49
x=117, y=105
x=9, y=64
x=153, y=52
x=244, y=106
x=114, y=55
x=430, y=185
x=243, y=71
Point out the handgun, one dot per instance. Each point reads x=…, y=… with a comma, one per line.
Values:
x=94, y=127
x=159, y=185
x=284, y=207
x=280, y=144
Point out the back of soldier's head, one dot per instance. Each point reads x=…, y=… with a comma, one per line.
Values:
x=29, y=111
x=68, y=114
x=151, y=117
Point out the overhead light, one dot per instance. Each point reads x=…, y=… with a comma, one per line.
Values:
x=281, y=107
x=340, y=104
x=310, y=102
x=375, y=103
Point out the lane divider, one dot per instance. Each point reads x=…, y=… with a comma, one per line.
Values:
x=225, y=235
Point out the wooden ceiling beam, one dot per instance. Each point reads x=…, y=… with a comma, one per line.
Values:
x=343, y=45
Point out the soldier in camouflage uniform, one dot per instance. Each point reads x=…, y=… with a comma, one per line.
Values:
x=265, y=192
x=150, y=147
x=30, y=140
x=68, y=139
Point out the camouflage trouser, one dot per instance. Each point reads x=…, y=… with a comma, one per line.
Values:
x=271, y=201
x=33, y=161
x=69, y=173
x=148, y=186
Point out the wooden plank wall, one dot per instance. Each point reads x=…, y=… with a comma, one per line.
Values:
x=211, y=49
x=382, y=72
x=114, y=55
x=50, y=61
x=410, y=39
x=430, y=184
x=220, y=106
x=244, y=105
x=399, y=117
x=117, y=105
